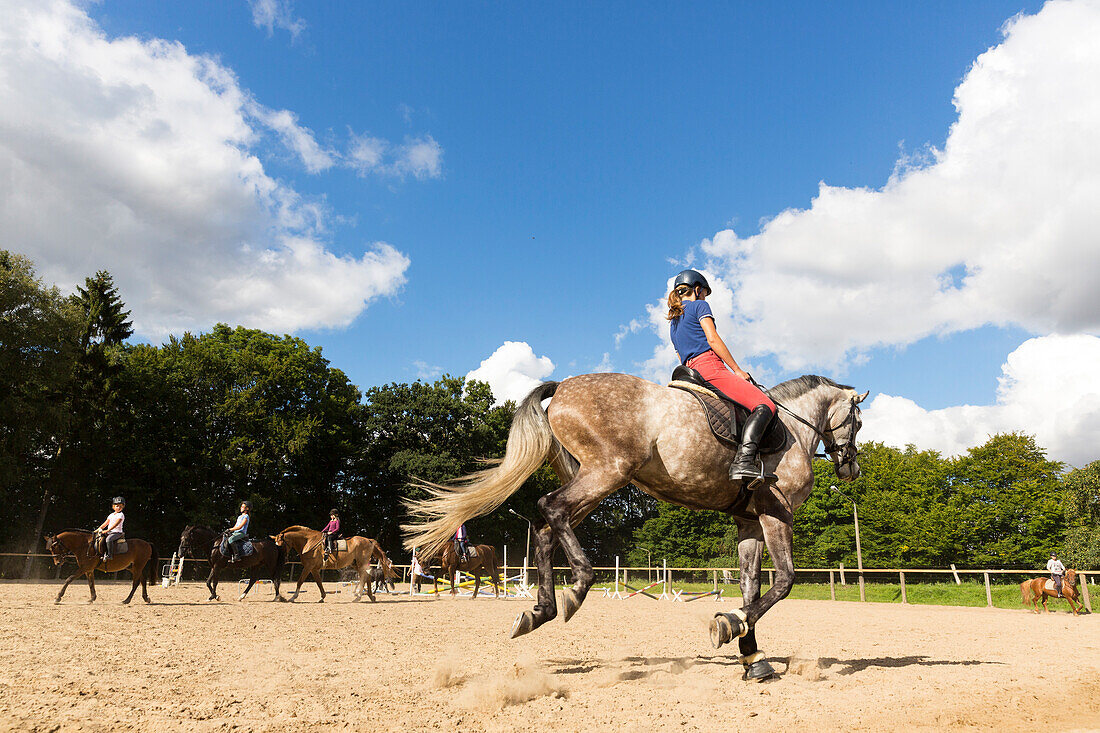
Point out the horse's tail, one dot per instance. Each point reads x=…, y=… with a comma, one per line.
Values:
x=530, y=444
x=154, y=564
x=1025, y=592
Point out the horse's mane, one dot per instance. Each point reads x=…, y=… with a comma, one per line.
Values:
x=298, y=528
x=73, y=529
x=794, y=388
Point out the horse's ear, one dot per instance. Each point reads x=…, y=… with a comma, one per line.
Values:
x=861, y=397
x=273, y=537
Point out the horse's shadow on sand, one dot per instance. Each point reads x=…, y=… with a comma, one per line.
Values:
x=636, y=666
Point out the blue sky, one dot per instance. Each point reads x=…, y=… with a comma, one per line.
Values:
x=576, y=154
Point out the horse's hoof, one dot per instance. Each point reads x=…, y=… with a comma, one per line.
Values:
x=725, y=627
x=356, y=599
x=524, y=624
x=570, y=602
x=57, y=601
x=757, y=668
x=320, y=600
x=280, y=599
x=241, y=597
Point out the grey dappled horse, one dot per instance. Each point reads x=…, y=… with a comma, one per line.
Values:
x=603, y=431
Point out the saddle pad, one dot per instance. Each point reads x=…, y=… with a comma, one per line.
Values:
x=1049, y=585
x=341, y=545
x=471, y=551
x=121, y=548
x=726, y=426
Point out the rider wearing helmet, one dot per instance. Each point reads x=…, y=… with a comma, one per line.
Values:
x=1057, y=570
x=699, y=347
x=331, y=532
x=462, y=543
x=112, y=527
x=239, y=531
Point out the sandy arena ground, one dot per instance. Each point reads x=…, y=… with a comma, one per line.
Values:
x=411, y=664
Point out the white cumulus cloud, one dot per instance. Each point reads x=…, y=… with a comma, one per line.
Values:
x=1048, y=388
x=419, y=157
x=513, y=370
x=137, y=156
x=999, y=227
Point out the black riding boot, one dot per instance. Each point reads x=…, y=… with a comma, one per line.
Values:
x=745, y=467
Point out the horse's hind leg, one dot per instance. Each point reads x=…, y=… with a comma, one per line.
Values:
x=252, y=578
x=137, y=581
x=91, y=585
x=562, y=509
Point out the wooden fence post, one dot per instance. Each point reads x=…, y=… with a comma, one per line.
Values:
x=715, y=580
x=771, y=578
x=842, y=580
x=1085, y=592
x=832, y=587
x=956, y=574
x=988, y=593
x=904, y=597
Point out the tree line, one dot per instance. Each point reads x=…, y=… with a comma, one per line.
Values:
x=188, y=429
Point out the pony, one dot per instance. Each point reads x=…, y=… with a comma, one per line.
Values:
x=267, y=559
x=483, y=562
x=604, y=431
x=359, y=555
x=1037, y=589
x=80, y=543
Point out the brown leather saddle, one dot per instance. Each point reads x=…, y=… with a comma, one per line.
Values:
x=724, y=416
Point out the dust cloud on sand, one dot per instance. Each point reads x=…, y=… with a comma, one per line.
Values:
x=414, y=663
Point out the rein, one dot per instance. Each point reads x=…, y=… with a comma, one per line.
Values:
x=829, y=445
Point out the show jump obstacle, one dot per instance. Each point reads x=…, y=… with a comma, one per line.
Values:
x=668, y=593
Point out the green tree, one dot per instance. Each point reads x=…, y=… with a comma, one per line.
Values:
x=1082, y=516
x=38, y=329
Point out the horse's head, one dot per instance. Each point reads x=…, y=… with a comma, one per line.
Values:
x=56, y=548
x=280, y=539
x=185, y=541
x=844, y=422
x=1071, y=577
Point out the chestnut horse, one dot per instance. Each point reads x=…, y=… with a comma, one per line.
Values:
x=361, y=551
x=484, y=563
x=1036, y=589
x=139, y=556
x=604, y=431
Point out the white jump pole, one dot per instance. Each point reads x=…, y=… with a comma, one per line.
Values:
x=412, y=572
x=664, y=575
x=506, y=571
x=617, y=594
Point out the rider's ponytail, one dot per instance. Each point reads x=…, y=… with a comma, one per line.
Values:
x=676, y=301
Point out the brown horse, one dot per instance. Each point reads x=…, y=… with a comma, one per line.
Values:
x=359, y=555
x=1036, y=589
x=139, y=556
x=604, y=431
x=200, y=542
x=483, y=562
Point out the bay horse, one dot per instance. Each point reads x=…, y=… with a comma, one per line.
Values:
x=1036, y=589
x=359, y=555
x=267, y=559
x=139, y=557
x=603, y=431
x=484, y=562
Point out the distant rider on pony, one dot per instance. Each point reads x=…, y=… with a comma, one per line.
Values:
x=238, y=532
x=699, y=347
x=1057, y=570
x=112, y=527
x=331, y=533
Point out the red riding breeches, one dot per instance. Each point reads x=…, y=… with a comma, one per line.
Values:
x=739, y=390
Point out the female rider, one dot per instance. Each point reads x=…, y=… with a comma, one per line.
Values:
x=331, y=532
x=699, y=347
x=239, y=531
x=112, y=527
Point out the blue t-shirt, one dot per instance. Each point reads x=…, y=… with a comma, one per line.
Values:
x=687, y=333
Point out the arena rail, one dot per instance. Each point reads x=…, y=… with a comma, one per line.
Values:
x=729, y=575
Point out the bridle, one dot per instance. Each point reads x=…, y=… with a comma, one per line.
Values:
x=842, y=454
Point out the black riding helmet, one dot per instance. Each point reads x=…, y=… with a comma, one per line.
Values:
x=118, y=500
x=692, y=278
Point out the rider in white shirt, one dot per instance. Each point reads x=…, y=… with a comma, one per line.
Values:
x=1057, y=570
x=112, y=527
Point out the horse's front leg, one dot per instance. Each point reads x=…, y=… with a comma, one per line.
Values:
x=212, y=582
x=71, y=578
x=91, y=584
x=252, y=578
x=776, y=524
x=726, y=626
